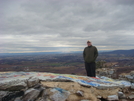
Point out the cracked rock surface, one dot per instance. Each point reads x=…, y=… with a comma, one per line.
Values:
x=36, y=86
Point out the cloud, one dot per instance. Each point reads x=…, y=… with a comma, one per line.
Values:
x=66, y=23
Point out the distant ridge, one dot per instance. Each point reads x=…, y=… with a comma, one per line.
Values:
x=37, y=53
x=34, y=53
x=125, y=52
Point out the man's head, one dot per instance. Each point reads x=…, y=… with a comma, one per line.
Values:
x=89, y=43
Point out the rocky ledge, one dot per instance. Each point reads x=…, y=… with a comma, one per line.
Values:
x=42, y=86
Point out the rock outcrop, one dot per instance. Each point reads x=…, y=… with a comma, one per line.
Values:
x=37, y=86
x=128, y=76
x=111, y=73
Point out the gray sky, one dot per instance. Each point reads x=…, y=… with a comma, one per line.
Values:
x=65, y=25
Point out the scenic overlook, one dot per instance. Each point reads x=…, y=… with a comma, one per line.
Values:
x=66, y=50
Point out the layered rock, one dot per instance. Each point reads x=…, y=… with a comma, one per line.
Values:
x=111, y=73
x=37, y=86
x=128, y=76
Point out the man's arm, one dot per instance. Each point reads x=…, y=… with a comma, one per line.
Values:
x=95, y=53
x=84, y=54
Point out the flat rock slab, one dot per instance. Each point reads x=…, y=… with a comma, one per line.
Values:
x=8, y=79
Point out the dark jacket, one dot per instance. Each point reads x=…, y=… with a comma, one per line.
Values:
x=90, y=54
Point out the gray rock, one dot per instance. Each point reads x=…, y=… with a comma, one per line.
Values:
x=32, y=81
x=3, y=93
x=132, y=86
x=129, y=76
x=17, y=87
x=132, y=92
x=131, y=96
x=112, y=98
x=99, y=97
x=11, y=96
x=121, y=95
x=31, y=95
x=13, y=85
x=103, y=73
x=80, y=93
x=55, y=94
x=111, y=72
x=132, y=73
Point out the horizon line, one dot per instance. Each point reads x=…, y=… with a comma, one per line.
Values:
x=57, y=51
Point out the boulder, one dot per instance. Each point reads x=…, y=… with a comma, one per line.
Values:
x=32, y=81
x=129, y=77
x=80, y=93
x=2, y=94
x=31, y=95
x=121, y=95
x=11, y=96
x=55, y=94
x=14, y=85
x=112, y=98
x=111, y=72
x=131, y=96
x=132, y=86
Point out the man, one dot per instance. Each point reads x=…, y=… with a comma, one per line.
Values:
x=90, y=54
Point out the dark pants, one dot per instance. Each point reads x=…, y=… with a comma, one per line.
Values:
x=90, y=69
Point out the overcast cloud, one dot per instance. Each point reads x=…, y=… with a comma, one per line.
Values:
x=51, y=25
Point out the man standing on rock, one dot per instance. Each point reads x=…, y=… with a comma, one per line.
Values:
x=90, y=54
